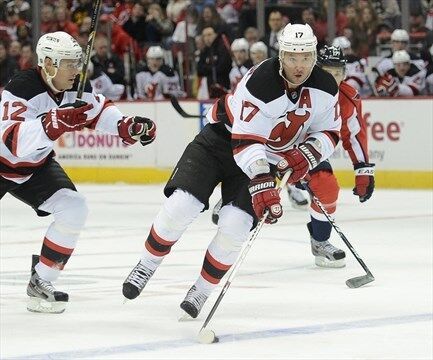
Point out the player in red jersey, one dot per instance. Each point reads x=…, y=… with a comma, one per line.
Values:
x=323, y=182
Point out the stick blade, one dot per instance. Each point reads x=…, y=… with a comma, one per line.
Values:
x=359, y=281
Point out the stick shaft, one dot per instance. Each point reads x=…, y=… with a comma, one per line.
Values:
x=93, y=25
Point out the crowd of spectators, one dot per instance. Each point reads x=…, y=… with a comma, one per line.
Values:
x=197, y=37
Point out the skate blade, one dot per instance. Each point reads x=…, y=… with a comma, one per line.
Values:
x=42, y=306
x=322, y=261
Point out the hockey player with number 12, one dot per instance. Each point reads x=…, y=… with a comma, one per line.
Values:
x=37, y=107
x=283, y=116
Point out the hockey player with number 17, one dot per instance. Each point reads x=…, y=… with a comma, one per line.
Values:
x=38, y=106
x=283, y=116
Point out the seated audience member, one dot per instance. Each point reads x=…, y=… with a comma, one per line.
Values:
x=241, y=62
x=399, y=41
x=8, y=65
x=252, y=35
x=102, y=84
x=215, y=63
x=355, y=67
x=26, y=59
x=404, y=79
x=258, y=52
x=106, y=62
x=156, y=79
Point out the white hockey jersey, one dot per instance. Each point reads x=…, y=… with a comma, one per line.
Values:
x=237, y=73
x=265, y=119
x=24, y=145
x=413, y=83
x=153, y=86
x=385, y=64
x=356, y=76
x=103, y=85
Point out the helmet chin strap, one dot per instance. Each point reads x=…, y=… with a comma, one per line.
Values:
x=49, y=79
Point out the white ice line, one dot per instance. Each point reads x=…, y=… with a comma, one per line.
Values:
x=254, y=335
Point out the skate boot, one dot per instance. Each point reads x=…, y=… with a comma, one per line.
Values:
x=193, y=302
x=43, y=297
x=297, y=197
x=327, y=255
x=136, y=281
x=216, y=212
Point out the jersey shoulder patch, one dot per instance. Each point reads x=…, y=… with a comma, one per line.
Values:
x=322, y=80
x=265, y=83
x=26, y=84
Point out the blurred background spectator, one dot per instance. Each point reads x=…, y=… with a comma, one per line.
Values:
x=374, y=30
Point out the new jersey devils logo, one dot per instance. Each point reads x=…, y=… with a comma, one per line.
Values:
x=287, y=132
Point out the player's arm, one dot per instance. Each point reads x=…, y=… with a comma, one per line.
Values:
x=354, y=137
x=24, y=130
x=106, y=117
x=250, y=131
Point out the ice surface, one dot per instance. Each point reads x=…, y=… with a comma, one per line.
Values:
x=280, y=306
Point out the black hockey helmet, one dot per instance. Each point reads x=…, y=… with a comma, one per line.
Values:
x=331, y=56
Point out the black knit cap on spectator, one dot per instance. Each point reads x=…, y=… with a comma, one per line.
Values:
x=331, y=56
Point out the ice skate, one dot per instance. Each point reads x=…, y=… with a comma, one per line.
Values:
x=297, y=197
x=193, y=302
x=216, y=211
x=327, y=255
x=43, y=297
x=136, y=281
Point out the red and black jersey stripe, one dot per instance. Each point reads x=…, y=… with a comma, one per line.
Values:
x=10, y=138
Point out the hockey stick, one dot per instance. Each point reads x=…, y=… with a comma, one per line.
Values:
x=241, y=258
x=93, y=25
x=355, y=282
x=179, y=109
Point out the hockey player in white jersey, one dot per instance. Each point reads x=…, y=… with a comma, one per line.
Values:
x=38, y=106
x=102, y=84
x=241, y=61
x=157, y=79
x=258, y=52
x=283, y=116
x=399, y=41
x=404, y=79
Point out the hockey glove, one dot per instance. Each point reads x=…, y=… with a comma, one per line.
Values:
x=67, y=118
x=364, y=181
x=386, y=85
x=265, y=196
x=300, y=160
x=136, y=128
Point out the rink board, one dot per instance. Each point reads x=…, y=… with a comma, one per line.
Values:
x=399, y=134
